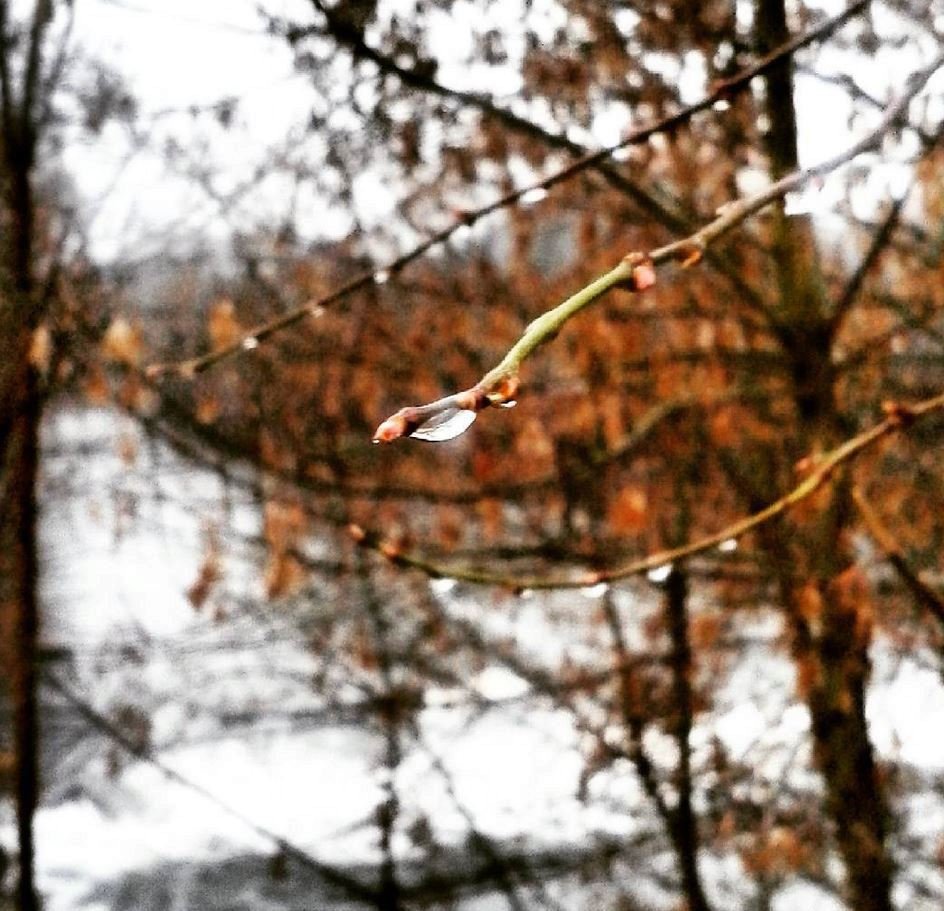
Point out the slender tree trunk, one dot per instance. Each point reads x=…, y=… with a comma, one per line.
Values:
x=18, y=597
x=20, y=412
x=828, y=611
x=684, y=823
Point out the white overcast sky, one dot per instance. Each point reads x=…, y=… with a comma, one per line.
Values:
x=178, y=54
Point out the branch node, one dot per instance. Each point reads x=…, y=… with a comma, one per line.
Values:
x=505, y=391
x=690, y=254
x=642, y=272
x=898, y=414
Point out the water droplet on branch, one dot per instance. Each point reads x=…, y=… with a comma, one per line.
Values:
x=446, y=425
x=535, y=194
x=250, y=343
x=442, y=586
x=381, y=277
x=594, y=591
x=509, y=404
x=728, y=546
x=660, y=573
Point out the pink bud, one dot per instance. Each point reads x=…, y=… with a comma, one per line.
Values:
x=392, y=429
x=644, y=276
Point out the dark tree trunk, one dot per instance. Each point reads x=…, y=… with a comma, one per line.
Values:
x=18, y=572
x=829, y=616
x=684, y=824
x=20, y=412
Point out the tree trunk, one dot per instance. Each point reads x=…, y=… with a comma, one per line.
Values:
x=18, y=598
x=684, y=823
x=828, y=610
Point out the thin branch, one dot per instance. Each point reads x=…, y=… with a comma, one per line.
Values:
x=898, y=417
x=635, y=272
x=141, y=751
x=720, y=92
x=352, y=37
x=845, y=81
x=880, y=240
x=923, y=593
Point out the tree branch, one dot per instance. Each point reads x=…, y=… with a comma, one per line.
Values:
x=351, y=886
x=880, y=241
x=635, y=272
x=925, y=595
x=719, y=92
x=898, y=418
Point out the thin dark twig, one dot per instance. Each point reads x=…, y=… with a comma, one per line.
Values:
x=141, y=751
x=926, y=596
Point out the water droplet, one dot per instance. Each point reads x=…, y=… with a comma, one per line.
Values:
x=526, y=594
x=316, y=311
x=729, y=546
x=381, y=277
x=530, y=197
x=446, y=425
x=250, y=343
x=899, y=181
x=462, y=233
x=509, y=404
x=621, y=154
x=594, y=591
x=722, y=104
x=442, y=586
x=660, y=573
x=797, y=204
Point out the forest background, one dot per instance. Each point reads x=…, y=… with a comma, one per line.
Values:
x=667, y=634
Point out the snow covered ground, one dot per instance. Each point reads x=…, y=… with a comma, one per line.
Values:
x=124, y=531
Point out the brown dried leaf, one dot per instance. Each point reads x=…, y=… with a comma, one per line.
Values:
x=122, y=342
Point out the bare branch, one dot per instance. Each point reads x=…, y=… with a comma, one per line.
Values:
x=880, y=241
x=143, y=752
x=899, y=417
x=636, y=272
x=719, y=92
x=925, y=595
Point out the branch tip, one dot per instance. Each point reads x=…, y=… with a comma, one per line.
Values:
x=396, y=426
x=505, y=391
